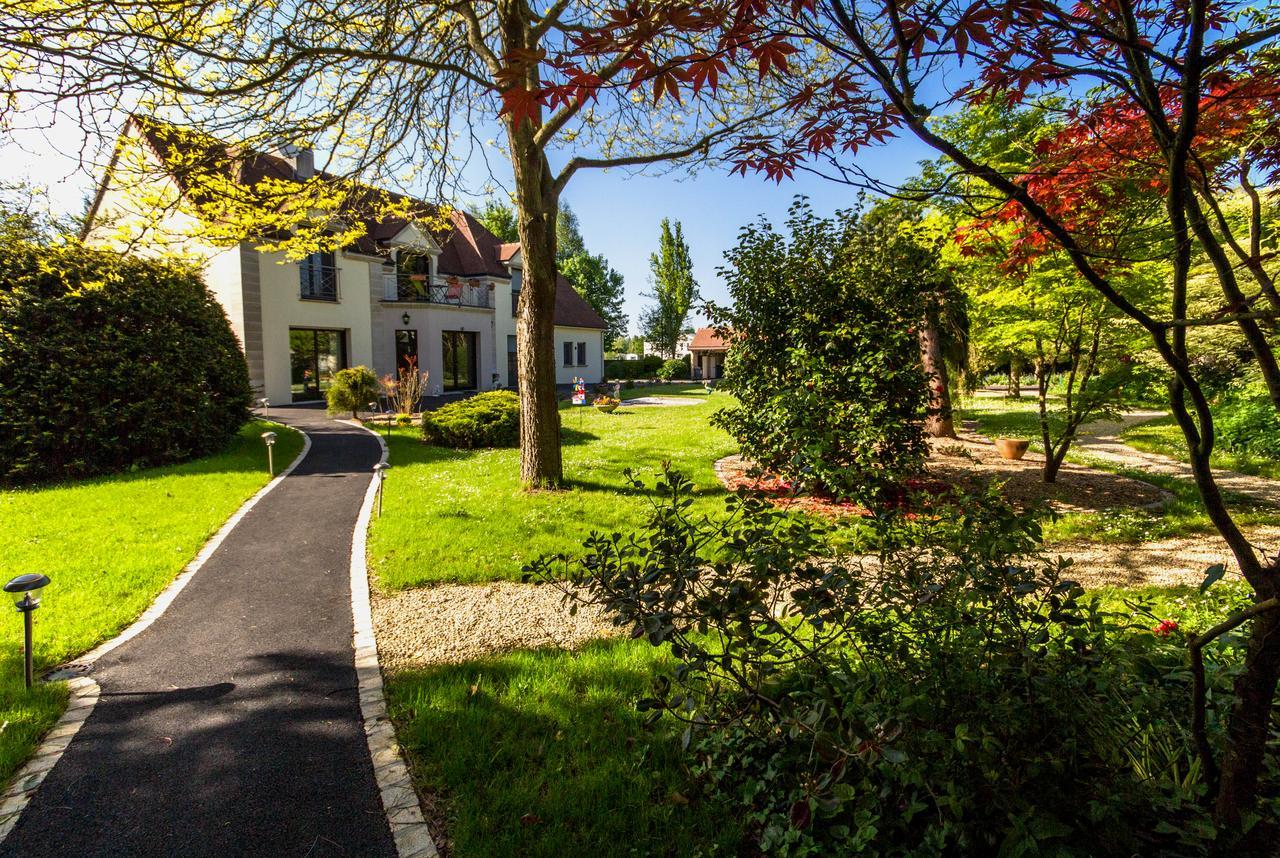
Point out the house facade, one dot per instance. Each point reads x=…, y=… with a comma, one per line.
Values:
x=440, y=298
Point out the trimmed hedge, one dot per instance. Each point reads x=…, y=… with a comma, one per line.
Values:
x=109, y=363
x=645, y=367
x=485, y=420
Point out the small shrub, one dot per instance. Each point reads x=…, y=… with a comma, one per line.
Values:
x=1249, y=425
x=109, y=363
x=486, y=420
x=351, y=390
x=674, y=369
x=403, y=419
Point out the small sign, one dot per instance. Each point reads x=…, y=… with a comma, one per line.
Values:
x=579, y=391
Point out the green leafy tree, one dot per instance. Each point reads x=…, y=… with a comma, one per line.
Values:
x=500, y=219
x=569, y=241
x=825, y=363
x=674, y=289
x=602, y=287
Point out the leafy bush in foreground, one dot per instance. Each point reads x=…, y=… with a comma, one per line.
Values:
x=825, y=365
x=485, y=420
x=946, y=690
x=109, y=363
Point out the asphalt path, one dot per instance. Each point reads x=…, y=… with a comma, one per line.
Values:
x=232, y=725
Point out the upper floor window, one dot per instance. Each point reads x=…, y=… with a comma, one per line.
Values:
x=318, y=276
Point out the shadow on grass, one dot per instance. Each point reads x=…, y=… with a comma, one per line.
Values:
x=544, y=754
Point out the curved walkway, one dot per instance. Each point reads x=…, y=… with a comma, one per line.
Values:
x=1101, y=440
x=232, y=725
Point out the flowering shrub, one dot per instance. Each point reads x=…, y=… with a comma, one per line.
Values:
x=941, y=688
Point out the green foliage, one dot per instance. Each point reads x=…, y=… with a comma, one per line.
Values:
x=645, y=367
x=500, y=220
x=677, y=368
x=486, y=420
x=942, y=689
x=674, y=289
x=1247, y=422
x=826, y=363
x=352, y=389
x=110, y=363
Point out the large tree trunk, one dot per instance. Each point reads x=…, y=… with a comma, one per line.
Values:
x=537, y=208
x=940, y=422
x=1015, y=377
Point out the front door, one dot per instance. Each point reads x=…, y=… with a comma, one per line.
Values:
x=459, y=360
x=314, y=357
x=406, y=351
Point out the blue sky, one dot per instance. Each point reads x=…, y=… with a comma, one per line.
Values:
x=619, y=213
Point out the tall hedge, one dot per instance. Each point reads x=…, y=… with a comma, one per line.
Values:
x=109, y=363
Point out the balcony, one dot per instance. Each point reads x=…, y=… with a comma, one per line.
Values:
x=318, y=283
x=401, y=287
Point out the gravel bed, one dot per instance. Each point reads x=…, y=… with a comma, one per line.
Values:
x=1165, y=562
x=454, y=623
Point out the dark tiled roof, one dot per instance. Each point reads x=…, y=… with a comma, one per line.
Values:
x=572, y=310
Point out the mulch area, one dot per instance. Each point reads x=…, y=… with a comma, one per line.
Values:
x=972, y=463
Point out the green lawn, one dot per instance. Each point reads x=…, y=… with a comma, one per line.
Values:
x=1164, y=437
x=110, y=545
x=544, y=754
x=460, y=515
x=1183, y=516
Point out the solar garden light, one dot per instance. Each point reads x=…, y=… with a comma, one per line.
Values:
x=264, y=403
x=24, y=589
x=373, y=406
x=381, y=470
x=269, y=438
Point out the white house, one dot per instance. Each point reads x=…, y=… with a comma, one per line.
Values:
x=444, y=297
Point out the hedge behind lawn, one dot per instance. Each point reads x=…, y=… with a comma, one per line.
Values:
x=109, y=363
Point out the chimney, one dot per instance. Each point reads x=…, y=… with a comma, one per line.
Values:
x=302, y=159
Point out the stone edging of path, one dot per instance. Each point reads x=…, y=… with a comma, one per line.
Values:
x=395, y=785
x=85, y=691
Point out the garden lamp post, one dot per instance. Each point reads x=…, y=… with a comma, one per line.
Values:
x=381, y=470
x=264, y=403
x=269, y=438
x=373, y=406
x=24, y=590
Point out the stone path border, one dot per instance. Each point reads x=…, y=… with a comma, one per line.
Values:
x=84, y=696
x=661, y=401
x=399, y=798
x=85, y=691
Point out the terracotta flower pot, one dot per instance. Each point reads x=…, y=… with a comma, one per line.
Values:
x=1012, y=448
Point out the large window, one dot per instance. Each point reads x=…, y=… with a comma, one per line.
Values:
x=459, y=360
x=413, y=276
x=314, y=357
x=318, y=276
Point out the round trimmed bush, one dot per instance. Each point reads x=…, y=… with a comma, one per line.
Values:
x=109, y=363
x=486, y=420
x=677, y=368
x=351, y=389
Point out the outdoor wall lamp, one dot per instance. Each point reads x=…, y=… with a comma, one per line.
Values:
x=24, y=589
x=380, y=470
x=406, y=319
x=269, y=438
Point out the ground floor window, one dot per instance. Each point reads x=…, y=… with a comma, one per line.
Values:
x=406, y=351
x=513, y=370
x=314, y=357
x=582, y=354
x=459, y=360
